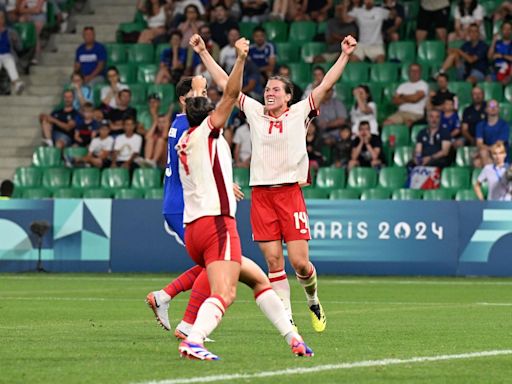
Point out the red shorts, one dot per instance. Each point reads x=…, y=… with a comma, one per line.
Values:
x=279, y=213
x=213, y=238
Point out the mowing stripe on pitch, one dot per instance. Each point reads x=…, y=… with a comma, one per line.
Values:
x=332, y=367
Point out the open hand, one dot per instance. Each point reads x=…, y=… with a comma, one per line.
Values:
x=239, y=195
x=242, y=47
x=197, y=43
x=348, y=45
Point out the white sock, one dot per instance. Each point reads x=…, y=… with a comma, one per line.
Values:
x=208, y=317
x=310, y=286
x=273, y=308
x=163, y=296
x=281, y=286
x=184, y=327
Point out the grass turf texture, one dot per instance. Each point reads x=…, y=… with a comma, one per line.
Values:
x=97, y=329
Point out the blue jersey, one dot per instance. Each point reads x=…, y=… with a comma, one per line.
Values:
x=173, y=190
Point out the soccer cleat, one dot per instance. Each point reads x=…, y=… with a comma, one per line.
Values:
x=160, y=309
x=318, y=319
x=182, y=334
x=195, y=351
x=299, y=348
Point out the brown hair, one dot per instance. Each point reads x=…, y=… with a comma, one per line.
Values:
x=287, y=83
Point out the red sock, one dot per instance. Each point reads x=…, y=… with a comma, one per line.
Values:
x=183, y=282
x=200, y=292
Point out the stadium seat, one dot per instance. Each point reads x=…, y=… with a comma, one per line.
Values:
x=96, y=93
x=329, y=178
x=127, y=73
x=67, y=193
x=356, y=73
x=247, y=191
x=465, y=194
x=388, y=91
x=508, y=93
x=403, y=155
x=344, y=92
x=375, y=194
x=490, y=6
x=437, y=194
x=376, y=92
x=311, y=49
x=474, y=178
x=462, y=89
x=287, y=52
x=321, y=28
x=407, y=194
x=27, y=33
x=128, y=193
x=416, y=128
x=362, y=178
x=159, y=48
x=392, y=177
x=146, y=73
x=400, y=131
x=384, y=73
x=492, y=90
x=129, y=27
x=28, y=177
x=115, y=178
x=431, y=51
x=116, y=53
x=301, y=72
x=36, y=193
x=455, y=178
x=47, y=157
x=141, y=53
x=241, y=177
x=246, y=28
x=154, y=193
x=464, y=156
x=97, y=193
x=276, y=31
x=166, y=92
x=85, y=178
x=56, y=178
x=72, y=153
x=145, y=119
x=344, y=194
x=315, y=193
x=302, y=31
x=138, y=93
x=506, y=111
x=146, y=178
x=402, y=51
x=411, y=9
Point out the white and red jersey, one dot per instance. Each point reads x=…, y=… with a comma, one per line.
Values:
x=279, y=153
x=206, y=173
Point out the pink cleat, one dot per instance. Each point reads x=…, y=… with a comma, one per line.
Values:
x=195, y=351
x=299, y=348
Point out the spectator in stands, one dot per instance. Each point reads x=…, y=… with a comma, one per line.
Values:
x=252, y=80
x=154, y=103
x=262, y=52
x=494, y=175
x=437, y=98
x=503, y=12
x=155, y=15
x=317, y=76
x=255, y=10
x=172, y=60
x=9, y=44
x=314, y=144
x=337, y=29
x=369, y=20
x=127, y=146
x=472, y=115
x=117, y=116
x=316, y=10
x=33, y=11
x=285, y=10
x=232, y=6
x=489, y=132
x=100, y=148
x=432, y=144
x=82, y=93
x=242, y=146
x=190, y=25
x=90, y=58
x=411, y=99
x=342, y=147
x=10, y=9
x=470, y=59
x=391, y=26
x=332, y=117
x=364, y=109
x=6, y=189
x=500, y=52
x=227, y=56
x=222, y=25
x=286, y=72
x=155, y=148
x=86, y=127
x=433, y=14
x=467, y=12
x=58, y=127
x=366, y=149
x=196, y=66
x=110, y=94
x=451, y=122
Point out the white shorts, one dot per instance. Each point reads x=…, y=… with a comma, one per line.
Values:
x=371, y=51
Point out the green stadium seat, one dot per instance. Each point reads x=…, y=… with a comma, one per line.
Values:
x=407, y=194
x=84, y=178
x=276, y=31
x=456, y=43
x=362, y=178
x=311, y=49
x=384, y=73
x=130, y=27
x=403, y=155
x=506, y=111
x=96, y=93
x=36, y=193
x=115, y=178
x=27, y=33
x=437, y=194
x=389, y=91
x=97, y=193
x=67, y=193
x=315, y=193
x=146, y=178
x=356, y=73
x=464, y=156
x=141, y=108
x=455, y=178
x=492, y=91
x=344, y=92
x=321, y=28
x=375, y=194
x=56, y=178
x=138, y=93
x=301, y=72
x=302, y=31
x=159, y=48
x=141, y=53
x=73, y=153
x=287, y=52
x=490, y=6
x=392, y=177
x=462, y=89
x=411, y=9
x=247, y=191
x=344, y=194
x=329, y=178
x=246, y=28
x=465, y=194
x=402, y=51
x=241, y=177
x=508, y=93
x=400, y=131
x=47, y=157
x=146, y=73
x=431, y=51
x=127, y=73
x=28, y=177
x=128, y=193
x=376, y=92
x=145, y=119
x=416, y=128
x=116, y=53
x=166, y=92
x=154, y=194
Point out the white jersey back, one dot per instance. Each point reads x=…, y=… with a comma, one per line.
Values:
x=206, y=173
x=279, y=153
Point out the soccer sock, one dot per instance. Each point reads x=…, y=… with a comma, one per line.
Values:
x=200, y=292
x=280, y=284
x=183, y=282
x=310, y=286
x=273, y=309
x=209, y=316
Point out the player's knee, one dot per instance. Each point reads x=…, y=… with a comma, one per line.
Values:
x=274, y=262
x=301, y=267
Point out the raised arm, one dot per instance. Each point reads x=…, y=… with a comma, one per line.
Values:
x=219, y=76
x=348, y=46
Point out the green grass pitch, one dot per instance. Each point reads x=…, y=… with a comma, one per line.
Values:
x=97, y=329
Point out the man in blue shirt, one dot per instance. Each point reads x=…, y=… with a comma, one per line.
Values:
x=489, y=132
x=9, y=42
x=90, y=58
x=433, y=143
x=262, y=53
x=501, y=54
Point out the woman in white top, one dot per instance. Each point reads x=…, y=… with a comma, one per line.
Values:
x=495, y=176
x=467, y=12
x=110, y=93
x=364, y=109
x=156, y=16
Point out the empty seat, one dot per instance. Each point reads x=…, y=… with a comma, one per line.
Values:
x=56, y=178
x=315, y=193
x=246, y=28
x=301, y=72
x=276, y=31
x=392, y=177
x=403, y=155
x=146, y=178
x=97, y=193
x=375, y=194
x=362, y=178
x=67, y=193
x=384, y=73
x=431, y=51
x=141, y=53
x=302, y=31
x=356, y=73
x=85, y=178
x=312, y=49
x=287, y=52
x=115, y=178
x=400, y=133
x=407, y=194
x=128, y=193
x=492, y=91
x=146, y=73
x=47, y=157
x=36, y=193
x=166, y=92
x=403, y=51
x=154, y=193
x=27, y=177
x=329, y=178
x=241, y=177
x=465, y=194
x=116, y=53
x=138, y=93
x=464, y=156
x=344, y=194
x=437, y=194
x=455, y=178
x=127, y=73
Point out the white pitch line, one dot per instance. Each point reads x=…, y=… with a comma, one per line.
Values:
x=331, y=367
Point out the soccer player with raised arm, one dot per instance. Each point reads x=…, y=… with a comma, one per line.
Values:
x=279, y=165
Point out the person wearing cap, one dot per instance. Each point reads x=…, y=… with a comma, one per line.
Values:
x=489, y=132
x=100, y=148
